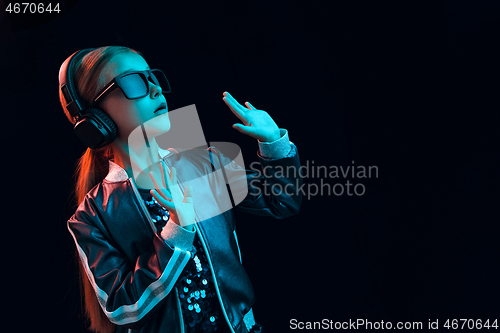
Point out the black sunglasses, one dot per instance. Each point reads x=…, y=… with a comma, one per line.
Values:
x=135, y=84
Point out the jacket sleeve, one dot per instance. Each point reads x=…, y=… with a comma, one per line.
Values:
x=273, y=184
x=127, y=291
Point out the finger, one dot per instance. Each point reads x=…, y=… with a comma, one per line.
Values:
x=250, y=106
x=244, y=129
x=164, y=175
x=160, y=189
x=175, y=190
x=232, y=99
x=188, y=194
x=162, y=201
x=173, y=176
x=172, y=181
x=238, y=112
x=235, y=102
x=153, y=179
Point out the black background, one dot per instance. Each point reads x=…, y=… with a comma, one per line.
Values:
x=408, y=87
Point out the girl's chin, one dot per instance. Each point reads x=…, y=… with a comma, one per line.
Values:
x=154, y=127
x=157, y=130
x=158, y=125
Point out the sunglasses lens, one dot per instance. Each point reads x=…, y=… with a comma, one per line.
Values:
x=160, y=78
x=133, y=86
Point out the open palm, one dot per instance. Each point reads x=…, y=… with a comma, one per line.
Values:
x=169, y=195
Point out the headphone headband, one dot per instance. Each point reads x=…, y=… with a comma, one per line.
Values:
x=74, y=103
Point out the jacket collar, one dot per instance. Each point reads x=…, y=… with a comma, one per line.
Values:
x=116, y=173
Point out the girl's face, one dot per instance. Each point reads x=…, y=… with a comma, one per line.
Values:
x=128, y=114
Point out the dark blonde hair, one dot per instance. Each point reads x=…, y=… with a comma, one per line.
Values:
x=93, y=165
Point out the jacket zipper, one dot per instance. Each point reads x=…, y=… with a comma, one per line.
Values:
x=237, y=245
x=215, y=279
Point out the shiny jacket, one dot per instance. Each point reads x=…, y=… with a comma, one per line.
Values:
x=133, y=268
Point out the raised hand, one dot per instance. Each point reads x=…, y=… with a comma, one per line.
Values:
x=170, y=196
x=256, y=123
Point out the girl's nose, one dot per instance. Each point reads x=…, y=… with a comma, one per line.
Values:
x=155, y=90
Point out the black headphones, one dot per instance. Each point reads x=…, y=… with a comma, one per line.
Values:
x=95, y=128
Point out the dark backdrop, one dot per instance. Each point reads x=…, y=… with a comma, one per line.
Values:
x=407, y=87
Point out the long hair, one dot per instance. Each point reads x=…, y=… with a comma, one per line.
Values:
x=93, y=165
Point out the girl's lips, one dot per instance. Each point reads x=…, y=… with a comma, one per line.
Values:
x=161, y=111
x=163, y=106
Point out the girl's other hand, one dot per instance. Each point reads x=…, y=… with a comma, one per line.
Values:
x=169, y=195
x=256, y=123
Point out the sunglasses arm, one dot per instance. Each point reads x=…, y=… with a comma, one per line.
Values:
x=104, y=92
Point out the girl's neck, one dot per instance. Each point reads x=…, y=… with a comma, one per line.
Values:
x=137, y=160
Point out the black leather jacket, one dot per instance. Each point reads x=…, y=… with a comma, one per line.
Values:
x=133, y=269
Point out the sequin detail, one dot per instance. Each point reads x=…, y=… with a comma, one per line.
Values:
x=159, y=214
x=200, y=306
x=201, y=311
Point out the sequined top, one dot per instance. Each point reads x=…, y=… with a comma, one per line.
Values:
x=201, y=310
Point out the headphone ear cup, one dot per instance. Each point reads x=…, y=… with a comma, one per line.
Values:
x=96, y=129
x=111, y=127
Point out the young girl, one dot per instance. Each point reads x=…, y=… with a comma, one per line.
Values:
x=148, y=262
